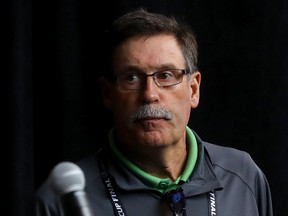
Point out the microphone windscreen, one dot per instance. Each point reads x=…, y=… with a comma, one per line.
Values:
x=66, y=177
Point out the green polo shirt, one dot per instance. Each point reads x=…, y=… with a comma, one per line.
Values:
x=161, y=184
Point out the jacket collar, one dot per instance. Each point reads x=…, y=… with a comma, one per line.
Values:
x=203, y=178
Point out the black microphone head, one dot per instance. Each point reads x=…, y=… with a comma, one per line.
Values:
x=67, y=177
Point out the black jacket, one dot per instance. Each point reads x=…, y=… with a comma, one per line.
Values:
x=225, y=182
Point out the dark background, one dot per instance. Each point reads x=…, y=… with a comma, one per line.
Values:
x=53, y=111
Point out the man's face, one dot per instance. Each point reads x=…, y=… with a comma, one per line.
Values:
x=148, y=55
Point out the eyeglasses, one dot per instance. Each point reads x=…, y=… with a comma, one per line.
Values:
x=137, y=80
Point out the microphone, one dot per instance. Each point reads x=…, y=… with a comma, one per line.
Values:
x=68, y=181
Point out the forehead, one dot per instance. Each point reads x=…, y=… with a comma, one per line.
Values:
x=149, y=53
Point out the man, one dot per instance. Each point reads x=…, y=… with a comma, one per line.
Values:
x=154, y=163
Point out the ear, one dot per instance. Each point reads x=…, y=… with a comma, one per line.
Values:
x=106, y=91
x=195, y=89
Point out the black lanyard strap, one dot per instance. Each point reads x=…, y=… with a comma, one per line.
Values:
x=212, y=201
x=108, y=182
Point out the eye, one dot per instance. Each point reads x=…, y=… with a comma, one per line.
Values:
x=131, y=77
x=165, y=75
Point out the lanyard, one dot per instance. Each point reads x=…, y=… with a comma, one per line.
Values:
x=212, y=200
x=176, y=198
x=108, y=182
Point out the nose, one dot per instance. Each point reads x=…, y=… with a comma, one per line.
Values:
x=150, y=90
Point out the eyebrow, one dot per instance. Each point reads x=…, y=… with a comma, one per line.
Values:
x=135, y=68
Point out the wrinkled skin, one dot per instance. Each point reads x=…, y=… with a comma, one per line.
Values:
x=156, y=145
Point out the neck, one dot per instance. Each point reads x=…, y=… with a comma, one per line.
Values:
x=163, y=162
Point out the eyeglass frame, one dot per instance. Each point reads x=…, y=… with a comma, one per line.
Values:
x=144, y=76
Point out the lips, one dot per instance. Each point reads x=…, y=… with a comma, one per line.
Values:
x=149, y=119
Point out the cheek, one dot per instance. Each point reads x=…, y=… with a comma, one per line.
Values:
x=122, y=104
x=183, y=97
x=184, y=107
x=122, y=108
x=183, y=104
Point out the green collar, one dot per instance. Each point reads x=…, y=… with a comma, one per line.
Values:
x=159, y=184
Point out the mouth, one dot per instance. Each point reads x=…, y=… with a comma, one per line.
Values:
x=147, y=119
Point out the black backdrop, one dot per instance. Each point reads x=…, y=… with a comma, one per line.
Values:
x=54, y=112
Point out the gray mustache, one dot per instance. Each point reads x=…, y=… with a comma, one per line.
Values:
x=150, y=111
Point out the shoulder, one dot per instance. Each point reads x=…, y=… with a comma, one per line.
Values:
x=231, y=159
x=89, y=166
x=228, y=161
x=227, y=156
